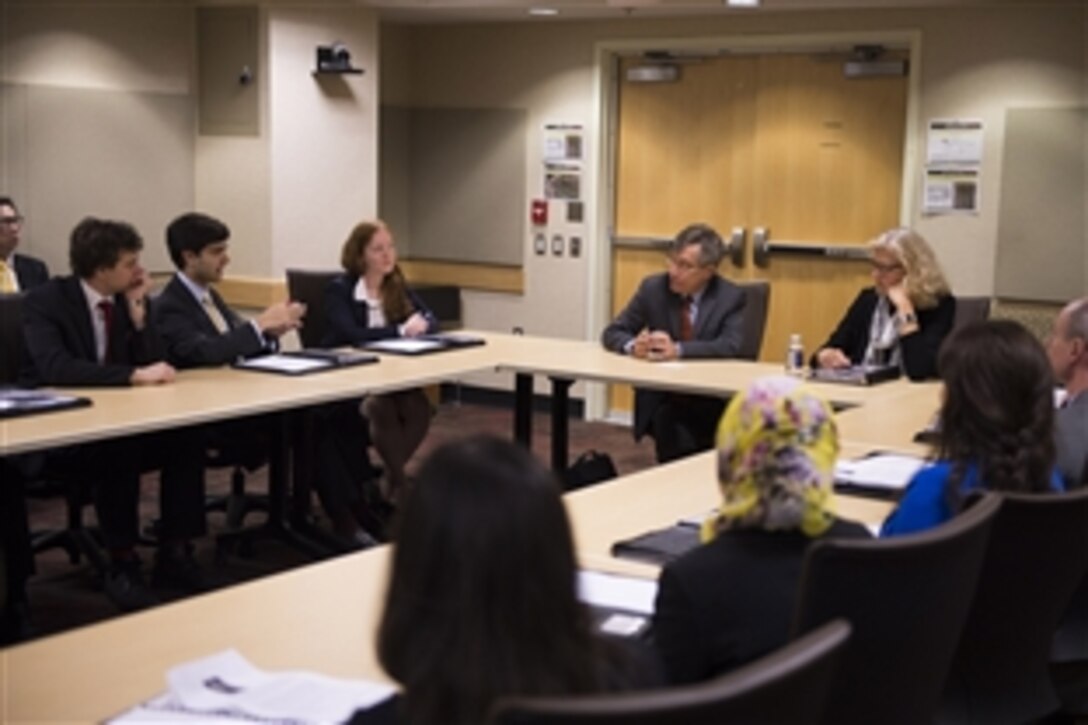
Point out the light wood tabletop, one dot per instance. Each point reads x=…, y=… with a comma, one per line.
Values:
x=323, y=617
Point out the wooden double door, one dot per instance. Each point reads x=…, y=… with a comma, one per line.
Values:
x=779, y=141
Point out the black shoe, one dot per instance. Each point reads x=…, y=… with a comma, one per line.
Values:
x=124, y=585
x=179, y=571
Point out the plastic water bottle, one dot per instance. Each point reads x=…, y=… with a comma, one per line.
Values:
x=795, y=356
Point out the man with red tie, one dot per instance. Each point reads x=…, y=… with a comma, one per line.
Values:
x=93, y=328
x=688, y=312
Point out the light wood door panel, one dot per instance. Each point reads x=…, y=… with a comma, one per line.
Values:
x=829, y=155
x=781, y=141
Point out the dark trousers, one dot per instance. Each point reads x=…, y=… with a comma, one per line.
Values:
x=112, y=469
x=685, y=424
x=343, y=468
x=16, y=555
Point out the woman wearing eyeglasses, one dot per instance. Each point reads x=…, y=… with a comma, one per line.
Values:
x=903, y=318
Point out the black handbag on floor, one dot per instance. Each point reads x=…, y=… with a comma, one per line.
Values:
x=591, y=467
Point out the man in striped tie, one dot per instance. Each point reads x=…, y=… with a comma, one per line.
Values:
x=200, y=330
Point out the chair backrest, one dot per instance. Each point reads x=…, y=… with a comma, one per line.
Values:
x=1036, y=557
x=786, y=686
x=757, y=299
x=308, y=287
x=970, y=309
x=444, y=300
x=906, y=598
x=11, y=337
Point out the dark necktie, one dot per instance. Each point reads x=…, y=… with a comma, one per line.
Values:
x=685, y=320
x=106, y=308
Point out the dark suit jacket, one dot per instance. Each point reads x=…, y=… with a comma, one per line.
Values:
x=919, y=350
x=730, y=601
x=718, y=330
x=190, y=337
x=348, y=318
x=1071, y=436
x=30, y=272
x=60, y=339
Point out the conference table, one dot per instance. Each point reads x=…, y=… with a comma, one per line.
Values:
x=323, y=617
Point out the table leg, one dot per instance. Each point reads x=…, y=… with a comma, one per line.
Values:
x=560, y=424
x=523, y=409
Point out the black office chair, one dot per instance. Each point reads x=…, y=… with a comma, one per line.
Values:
x=308, y=287
x=970, y=309
x=757, y=300
x=906, y=598
x=42, y=482
x=1036, y=558
x=786, y=686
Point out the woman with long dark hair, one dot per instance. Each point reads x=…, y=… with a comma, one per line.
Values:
x=481, y=600
x=996, y=425
x=371, y=301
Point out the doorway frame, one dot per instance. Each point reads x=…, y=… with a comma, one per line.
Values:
x=607, y=54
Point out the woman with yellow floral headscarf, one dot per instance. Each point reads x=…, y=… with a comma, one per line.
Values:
x=731, y=599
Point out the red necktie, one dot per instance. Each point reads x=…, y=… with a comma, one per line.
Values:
x=685, y=320
x=106, y=308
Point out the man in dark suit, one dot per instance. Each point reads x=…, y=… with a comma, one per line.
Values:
x=197, y=327
x=18, y=272
x=93, y=329
x=1067, y=348
x=200, y=330
x=688, y=312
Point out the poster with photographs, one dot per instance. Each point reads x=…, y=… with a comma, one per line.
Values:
x=563, y=142
x=562, y=181
x=951, y=191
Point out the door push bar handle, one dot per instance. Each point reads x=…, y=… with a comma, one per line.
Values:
x=762, y=248
x=734, y=248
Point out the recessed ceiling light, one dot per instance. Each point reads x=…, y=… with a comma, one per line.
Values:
x=543, y=11
x=742, y=3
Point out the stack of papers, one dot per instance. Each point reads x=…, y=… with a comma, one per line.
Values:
x=622, y=605
x=226, y=688
x=880, y=472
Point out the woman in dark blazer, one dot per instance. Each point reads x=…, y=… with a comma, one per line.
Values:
x=371, y=301
x=482, y=601
x=903, y=318
x=731, y=600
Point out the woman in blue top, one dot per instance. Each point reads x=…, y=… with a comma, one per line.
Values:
x=371, y=301
x=996, y=425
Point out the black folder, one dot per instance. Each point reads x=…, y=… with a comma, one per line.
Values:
x=15, y=402
x=659, y=546
x=306, y=361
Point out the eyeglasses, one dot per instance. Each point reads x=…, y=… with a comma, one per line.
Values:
x=11, y=221
x=884, y=268
x=682, y=264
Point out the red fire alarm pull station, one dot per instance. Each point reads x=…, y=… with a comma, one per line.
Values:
x=539, y=212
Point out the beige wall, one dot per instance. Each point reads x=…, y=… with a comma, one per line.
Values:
x=67, y=74
x=973, y=62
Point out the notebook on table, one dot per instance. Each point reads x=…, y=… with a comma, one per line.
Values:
x=621, y=606
x=660, y=546
x=857, y=374
x=15, y=402
x=306, y=361
x=423, y=345
x=878, y=474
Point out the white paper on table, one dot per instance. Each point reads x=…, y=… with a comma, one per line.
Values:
x=883, y=470
x=227, y=688
x=614, y=591
x=405, y=344
x=285, y=363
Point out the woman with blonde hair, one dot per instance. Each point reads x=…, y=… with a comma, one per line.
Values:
x=371, y=301
x=731, y=600
x=903, y=318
